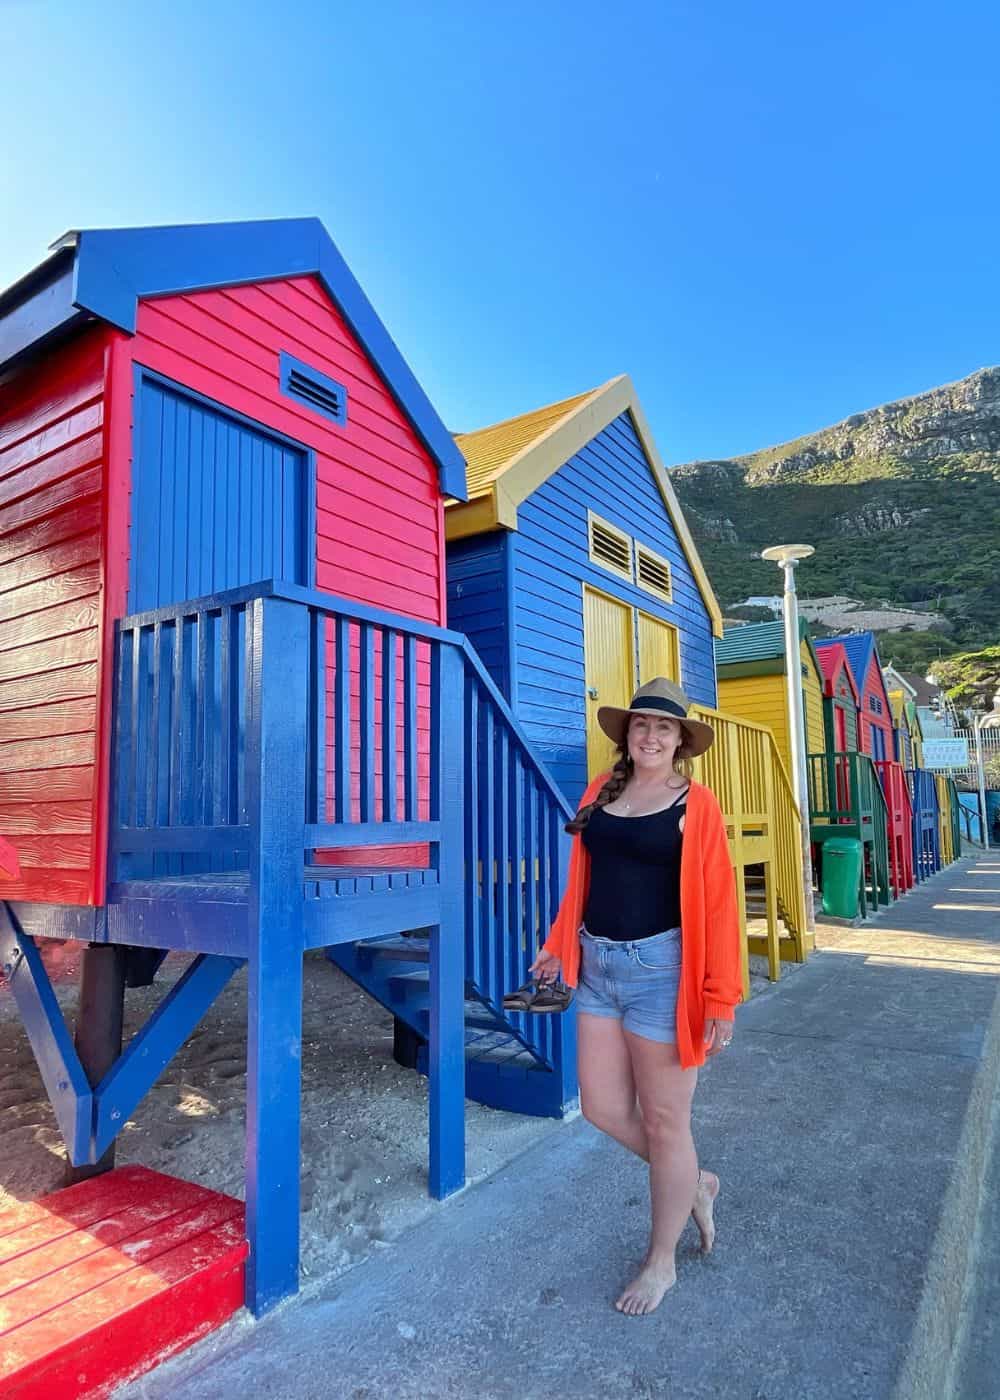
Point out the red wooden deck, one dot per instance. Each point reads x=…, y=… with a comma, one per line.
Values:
x=103, y=1280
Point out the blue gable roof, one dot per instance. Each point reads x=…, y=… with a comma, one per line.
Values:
x=103, y=274
x=860, y=647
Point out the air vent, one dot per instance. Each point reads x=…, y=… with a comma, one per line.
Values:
x=315, y=390
x=875, y=704
x=610, y=547
x=653, y=572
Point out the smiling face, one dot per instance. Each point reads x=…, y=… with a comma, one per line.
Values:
x=653, y=741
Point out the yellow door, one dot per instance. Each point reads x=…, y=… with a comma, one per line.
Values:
x=610, y=668
x=659, y=654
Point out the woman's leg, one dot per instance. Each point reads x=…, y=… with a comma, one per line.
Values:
x=664, y=1092
x=607, y=1085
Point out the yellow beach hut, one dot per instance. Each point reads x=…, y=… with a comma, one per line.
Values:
x=750, y=666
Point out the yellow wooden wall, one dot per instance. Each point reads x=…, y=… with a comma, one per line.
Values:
x=761, y=700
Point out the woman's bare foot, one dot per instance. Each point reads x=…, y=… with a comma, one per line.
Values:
x=644, y=1293
x=702, y=1210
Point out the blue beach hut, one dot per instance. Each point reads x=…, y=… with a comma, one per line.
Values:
x=572, y=571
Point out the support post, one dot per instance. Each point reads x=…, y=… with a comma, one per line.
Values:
x=98, y=1037
x=277, y=644
x=446, y=1047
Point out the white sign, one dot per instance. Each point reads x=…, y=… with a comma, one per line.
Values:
x=946, y=753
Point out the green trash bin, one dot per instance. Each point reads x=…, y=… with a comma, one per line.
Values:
x=842, y=858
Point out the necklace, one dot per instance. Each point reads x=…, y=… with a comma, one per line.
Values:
x=627, y=805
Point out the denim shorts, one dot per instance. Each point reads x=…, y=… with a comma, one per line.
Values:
x=634, y=982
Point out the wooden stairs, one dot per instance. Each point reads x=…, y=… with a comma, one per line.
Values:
x=502, y=1068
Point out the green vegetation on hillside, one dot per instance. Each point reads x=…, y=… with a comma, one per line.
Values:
x=942, y=558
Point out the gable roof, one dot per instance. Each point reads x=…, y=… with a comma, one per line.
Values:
x=861, y=652
x=509, y=460
x=759, y=642
x=924, y=690
x=832, y=657
x=102, y=274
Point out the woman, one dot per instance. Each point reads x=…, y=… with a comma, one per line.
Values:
x=648, y=930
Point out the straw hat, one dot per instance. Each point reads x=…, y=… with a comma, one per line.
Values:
x=657, y=697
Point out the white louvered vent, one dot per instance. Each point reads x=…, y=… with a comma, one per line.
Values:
x=610, y=547
x=653, y=572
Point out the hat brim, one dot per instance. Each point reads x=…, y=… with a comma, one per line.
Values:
x=614, y=722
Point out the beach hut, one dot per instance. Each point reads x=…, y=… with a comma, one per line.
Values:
x=902, y=734
x=222, y=659
x=841, y=699
x=572, y=570
x=751, y=667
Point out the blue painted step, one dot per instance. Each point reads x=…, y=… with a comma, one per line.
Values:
x=501, y=1070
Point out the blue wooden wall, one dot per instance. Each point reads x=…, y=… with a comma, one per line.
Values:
x=547, y=562
x=478, y=600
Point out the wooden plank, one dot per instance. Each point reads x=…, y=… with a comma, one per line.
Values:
x=69, y=784
x=71, y=717
x=49, y=592
x=39, y=818
x=35, y=508
x=40, y=563
x=389, y=756
x=38, y=474
x=77, y=616
x=34, y=755
x=72, y=683
x=342, y=720
x=52, y=654
x=49, y=887
x=52, y=852
x=86, y=423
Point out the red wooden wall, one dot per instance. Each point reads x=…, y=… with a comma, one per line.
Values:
x=875, y=687
x=53, y=450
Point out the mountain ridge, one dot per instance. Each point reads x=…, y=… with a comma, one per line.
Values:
x=902, y=502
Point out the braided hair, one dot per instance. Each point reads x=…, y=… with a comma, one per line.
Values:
x=618, y=777
x=612, y=789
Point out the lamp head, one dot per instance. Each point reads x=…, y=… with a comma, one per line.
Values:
x=787, y=553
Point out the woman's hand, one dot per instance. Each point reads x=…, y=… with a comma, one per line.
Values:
x=546, y=967
x=718, y=1034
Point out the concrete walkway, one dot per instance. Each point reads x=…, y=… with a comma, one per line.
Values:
x=848, y=1124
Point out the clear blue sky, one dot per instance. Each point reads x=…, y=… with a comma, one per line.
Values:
x=771, y=215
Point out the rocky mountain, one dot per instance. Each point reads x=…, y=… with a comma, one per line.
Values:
x=902, y=503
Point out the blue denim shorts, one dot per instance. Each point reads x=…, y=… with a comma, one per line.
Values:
x=634, y=982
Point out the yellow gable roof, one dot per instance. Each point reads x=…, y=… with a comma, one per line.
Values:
x=490, y=451
x=508, y=461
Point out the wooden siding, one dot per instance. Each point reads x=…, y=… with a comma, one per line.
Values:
x=478, y=600
x=551, y=563
x=812, y=698
x=52, y=460
x=760, y=700
x=379, y=510
x=378, y=502
x=763, y=700
x=875, y=687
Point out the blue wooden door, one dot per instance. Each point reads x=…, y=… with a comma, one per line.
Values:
x=217, y=501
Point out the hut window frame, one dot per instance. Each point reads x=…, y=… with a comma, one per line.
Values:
x=657, y=563
x=596, y=523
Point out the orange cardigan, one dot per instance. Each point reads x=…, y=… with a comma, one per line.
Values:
x=711, y=982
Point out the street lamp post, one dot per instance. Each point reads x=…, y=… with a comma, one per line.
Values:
x=787, y=557
x=989, y=720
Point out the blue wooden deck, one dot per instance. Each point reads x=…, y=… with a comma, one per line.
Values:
x=256, y=732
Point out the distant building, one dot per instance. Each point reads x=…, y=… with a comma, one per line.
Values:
x=774, y=603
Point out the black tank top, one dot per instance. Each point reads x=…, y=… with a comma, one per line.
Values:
x=635, y=873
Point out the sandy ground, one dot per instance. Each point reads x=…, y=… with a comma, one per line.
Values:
x=364, y=1120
